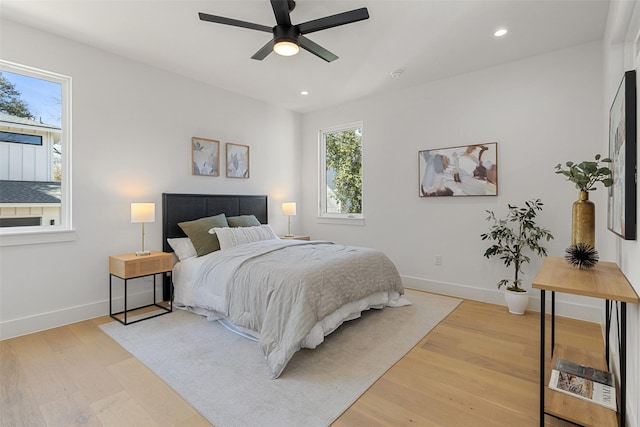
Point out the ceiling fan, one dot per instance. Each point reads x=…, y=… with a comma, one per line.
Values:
x=288, y=38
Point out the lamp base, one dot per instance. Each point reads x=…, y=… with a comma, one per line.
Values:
x=143, y=253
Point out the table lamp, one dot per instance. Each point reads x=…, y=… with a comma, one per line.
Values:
x=289, y=209
x=143, y=212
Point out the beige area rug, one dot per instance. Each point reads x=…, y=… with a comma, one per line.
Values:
x=225, y=378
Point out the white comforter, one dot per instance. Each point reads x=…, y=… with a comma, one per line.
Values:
x=285, y=291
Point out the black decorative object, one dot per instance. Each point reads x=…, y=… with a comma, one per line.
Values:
x=581, y=255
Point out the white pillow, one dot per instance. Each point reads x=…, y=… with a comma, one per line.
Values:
x=230, y=237
x=183, y=248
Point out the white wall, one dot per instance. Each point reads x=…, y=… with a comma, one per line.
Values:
x=542, y=111
x=132, y=129
x=620, y=55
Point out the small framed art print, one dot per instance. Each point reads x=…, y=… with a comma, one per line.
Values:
x=237, y=160
x=205, y=157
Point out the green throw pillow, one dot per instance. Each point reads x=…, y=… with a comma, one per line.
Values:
x=243, y=221
x=198, y=232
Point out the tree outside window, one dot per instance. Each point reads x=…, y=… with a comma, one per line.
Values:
x=341, y=172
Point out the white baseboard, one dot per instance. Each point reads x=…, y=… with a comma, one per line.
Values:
x=42, y=321
x=53, y=319
x=574, y=309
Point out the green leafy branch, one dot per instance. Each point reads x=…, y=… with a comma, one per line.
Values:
x=586, y=174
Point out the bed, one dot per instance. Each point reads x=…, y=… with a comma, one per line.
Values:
x=285, y=294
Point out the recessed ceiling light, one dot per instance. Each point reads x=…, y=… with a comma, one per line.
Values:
x=501, y=32
x=304, y=92
x=397, y=73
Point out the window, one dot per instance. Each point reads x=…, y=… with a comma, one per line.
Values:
x=21, y=138
x=20, y=222
x=341, y=173
x=35, y=155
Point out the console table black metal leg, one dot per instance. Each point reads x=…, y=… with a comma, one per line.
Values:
x=553, y=322
x=542, y=354
x=607, y=318
x=623, y=363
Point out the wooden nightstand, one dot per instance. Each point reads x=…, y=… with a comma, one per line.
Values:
x=296, y=237
x=130, y=266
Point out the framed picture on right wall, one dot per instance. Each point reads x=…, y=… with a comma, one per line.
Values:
x=621, y=218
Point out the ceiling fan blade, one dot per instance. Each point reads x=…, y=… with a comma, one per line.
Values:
x=333, y=20
x=234, y=22
x=281, y=11
x=316, y=49
x=264, y=51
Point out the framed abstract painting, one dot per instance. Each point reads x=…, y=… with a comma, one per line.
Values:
x=467, y=170
x=621, y=218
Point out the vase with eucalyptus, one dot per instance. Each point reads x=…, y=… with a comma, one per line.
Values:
x=585, y=175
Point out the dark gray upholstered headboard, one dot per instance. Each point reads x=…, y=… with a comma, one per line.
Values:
x=187, y=207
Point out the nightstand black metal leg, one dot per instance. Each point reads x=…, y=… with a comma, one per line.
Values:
x=110, y=296
x=125, y=301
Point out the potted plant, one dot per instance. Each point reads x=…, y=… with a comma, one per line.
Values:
x=585, y=175
x=514, y=236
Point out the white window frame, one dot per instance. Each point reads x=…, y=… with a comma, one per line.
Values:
x=64, y=231
x=336, y=218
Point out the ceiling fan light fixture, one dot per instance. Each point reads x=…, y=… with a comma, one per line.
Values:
x=287, y=38
x=286, y=48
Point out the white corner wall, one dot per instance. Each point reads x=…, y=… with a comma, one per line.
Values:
x=621, y=49
x=542, y=111
x=132, y=129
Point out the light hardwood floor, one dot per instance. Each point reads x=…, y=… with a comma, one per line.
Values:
x=478, y=367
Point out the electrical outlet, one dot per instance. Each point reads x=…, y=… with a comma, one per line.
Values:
x=438, y=259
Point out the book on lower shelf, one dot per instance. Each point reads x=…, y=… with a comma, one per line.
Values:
x=584, y=388
x=583, y=371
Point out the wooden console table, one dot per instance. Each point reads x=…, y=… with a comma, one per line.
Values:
x=607, y=282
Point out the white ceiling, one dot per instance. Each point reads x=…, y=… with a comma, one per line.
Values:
x=428, y=39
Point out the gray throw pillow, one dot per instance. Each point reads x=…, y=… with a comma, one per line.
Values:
x=243, y=221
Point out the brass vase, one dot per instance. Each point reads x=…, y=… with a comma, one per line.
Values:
x=583, y=221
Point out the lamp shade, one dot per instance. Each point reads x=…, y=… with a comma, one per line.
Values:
x=289, y=208
x=143, y=212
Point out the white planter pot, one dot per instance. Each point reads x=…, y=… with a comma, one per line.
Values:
x=516, y=301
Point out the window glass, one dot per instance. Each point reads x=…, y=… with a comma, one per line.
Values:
x=341, y=172
x=20, y=138
x=35, y=149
